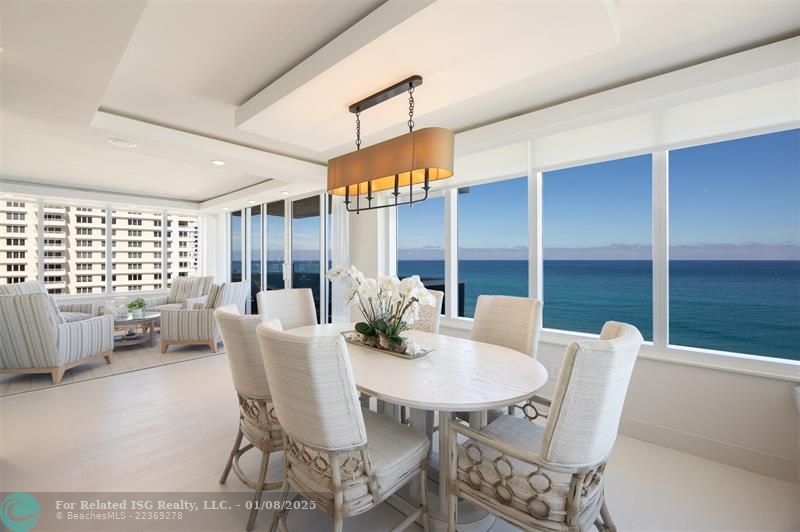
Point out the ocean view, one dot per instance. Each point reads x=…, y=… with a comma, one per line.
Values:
x=741, y=306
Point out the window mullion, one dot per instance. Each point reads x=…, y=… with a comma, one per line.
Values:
x=535, y=256
x=660, y=249
x=451, y=253
x=109, y=251
x=164, y=250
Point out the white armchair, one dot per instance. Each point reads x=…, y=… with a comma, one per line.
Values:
x=67, y=312
x=550, y=477
x=197, y=325
x=513, y=322
x=429, y=316
x=346, y=460
x=183, y=294
x=257, y=421
x=294, y=307
x=36, y=340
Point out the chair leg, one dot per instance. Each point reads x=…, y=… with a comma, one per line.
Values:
x=213, y=345
x=262, y=475
x=606, y=515
x=57, y=374
x=236, y=444
x=423, y=498
x=107, y=356
x=452, y=512
x=164, y=346
x=277, y=517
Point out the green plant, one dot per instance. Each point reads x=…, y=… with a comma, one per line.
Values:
x=136, y=304
x=388, y=305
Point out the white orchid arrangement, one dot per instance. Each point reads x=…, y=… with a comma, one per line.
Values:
x=389, y=306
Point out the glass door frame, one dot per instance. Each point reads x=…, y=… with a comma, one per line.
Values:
x=246, y=245
x=323, y=249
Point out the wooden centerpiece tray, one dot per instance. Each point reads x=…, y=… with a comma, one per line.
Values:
x=353, y=337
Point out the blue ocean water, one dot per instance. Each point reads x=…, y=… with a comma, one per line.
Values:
x=741, y=306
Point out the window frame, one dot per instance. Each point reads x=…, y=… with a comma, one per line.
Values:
x=659, y=348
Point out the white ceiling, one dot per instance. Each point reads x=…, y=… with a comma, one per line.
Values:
x=174, y=74
x=439, y=43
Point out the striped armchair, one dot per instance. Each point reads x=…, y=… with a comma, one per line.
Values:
x=68, y=312
x=183, y=294
x=196, y=325
x=36, y=340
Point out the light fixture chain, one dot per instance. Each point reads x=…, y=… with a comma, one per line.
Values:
x=410, y=107
x=358, y=131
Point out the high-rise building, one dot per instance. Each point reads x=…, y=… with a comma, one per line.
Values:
x=72, y=243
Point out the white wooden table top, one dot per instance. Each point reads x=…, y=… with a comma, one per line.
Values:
x=460, y=375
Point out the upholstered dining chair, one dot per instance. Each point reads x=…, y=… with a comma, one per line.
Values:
x=293, y=306
x=551, y=476
x=513, y=322
x=197, y=325
x=508, y=321
x=345, y=459
x=257, y=421
x=183, y=294
x=429, y=316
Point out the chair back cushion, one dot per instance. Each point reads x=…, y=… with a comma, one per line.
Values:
x=294, y=307
x=235, y=294
x=28, y=287
x=313, y=388
x=183, y=288
x=244, y=355
x=429, y=316
x=512, y=322
x=589, y=395
x=28, y=332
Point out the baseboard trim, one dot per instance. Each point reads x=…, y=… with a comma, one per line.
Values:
x=772, y=465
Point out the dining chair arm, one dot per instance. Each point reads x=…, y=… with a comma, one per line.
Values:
x=533, y=408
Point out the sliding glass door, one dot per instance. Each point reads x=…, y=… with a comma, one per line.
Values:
x=265, y=238
x=255, y=248
x=306, y=241
x=237, y=249
x=275, y=245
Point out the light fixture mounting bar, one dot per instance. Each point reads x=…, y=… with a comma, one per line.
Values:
x=389, y=92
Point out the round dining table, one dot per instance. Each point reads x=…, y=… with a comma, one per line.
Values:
x=458, y=375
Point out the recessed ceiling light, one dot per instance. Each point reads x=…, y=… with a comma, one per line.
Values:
x=225, y=209
x=285, y=192
x=217, y=162
x=251, y=202
x=121, y=143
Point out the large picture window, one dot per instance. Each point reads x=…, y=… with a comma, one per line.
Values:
x=734, y=271
x=492, y=241
x=597, y=233
x=420, y=242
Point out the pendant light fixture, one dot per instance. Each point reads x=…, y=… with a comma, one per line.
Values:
x=397, y=164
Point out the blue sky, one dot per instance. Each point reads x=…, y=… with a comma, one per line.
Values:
x=734, y=199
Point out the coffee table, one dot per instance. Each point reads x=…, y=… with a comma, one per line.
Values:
x=147, y=321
